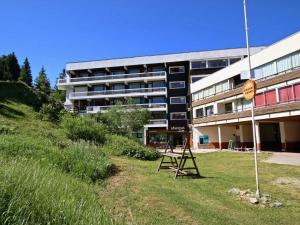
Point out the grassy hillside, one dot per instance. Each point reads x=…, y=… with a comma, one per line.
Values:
x=44, y=177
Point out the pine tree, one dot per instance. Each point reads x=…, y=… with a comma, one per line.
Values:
x=42, y=82
x=25, y=74
x=3, y=67
x=12, y=67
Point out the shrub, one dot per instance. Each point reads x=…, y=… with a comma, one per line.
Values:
x=83, y=128
x=48, y=113
x=83, y=160
x=120, y=145
x=34, y=194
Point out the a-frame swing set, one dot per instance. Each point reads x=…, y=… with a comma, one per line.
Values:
x=179, y=167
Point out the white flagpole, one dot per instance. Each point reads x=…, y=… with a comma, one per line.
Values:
x=252, y=107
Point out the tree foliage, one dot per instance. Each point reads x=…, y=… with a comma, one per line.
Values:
x=125, y=120
x=9, y=67
x=59, y=95
x=25, y=74
x=42, y=82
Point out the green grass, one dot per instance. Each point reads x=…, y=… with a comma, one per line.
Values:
x=45, y=178
x=35, y=194
x=140, y=195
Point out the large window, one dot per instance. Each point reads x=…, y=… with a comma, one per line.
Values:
x=178, y=116
x=136, y=85
x=176, y=69
x=116, y=72
x=118, y=86
x=134, y=70
x=158, y=99
x=178, y=100
x=177, y=84
x=156, y=84
x=99, y=88
x=286, y=94
x=198, y=64
x=217, y=63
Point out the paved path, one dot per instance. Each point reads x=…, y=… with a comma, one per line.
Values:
x=285, y=158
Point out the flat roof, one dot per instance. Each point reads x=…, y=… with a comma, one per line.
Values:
x=164, y=58
x=275, y=51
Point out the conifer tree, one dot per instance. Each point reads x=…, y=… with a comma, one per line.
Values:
x=42, y=82
x=25, y=74
x=12, y=67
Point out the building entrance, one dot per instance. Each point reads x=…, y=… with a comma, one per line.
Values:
x=270, y=137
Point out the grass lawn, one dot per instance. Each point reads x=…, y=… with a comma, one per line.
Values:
x=138, y=194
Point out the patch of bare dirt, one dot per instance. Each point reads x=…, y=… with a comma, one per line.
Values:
x=288, y=181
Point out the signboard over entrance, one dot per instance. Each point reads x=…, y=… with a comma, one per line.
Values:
x=249, y=89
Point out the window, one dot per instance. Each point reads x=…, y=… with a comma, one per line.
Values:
x=176, y=69
x=116, y=72
x=198, y=64
x=134, y=70
x=99, y=73
x=196, y=78
x=199, y=113
x=284, y=64
x=136, y=85
x=178, y=100
x=234, y=60
x=270, y=97
x=156, y=84
x=138, y=100
x=118, y=86
x=178, y=116
x=297, y=91
x=99, y=88
x=203, y=139
x=177, y=85
x=157, y=69
x=159, y=99
x=217, y=63
x=228, y=107
x=209, y=110
x=260, y=99
x=286, y=94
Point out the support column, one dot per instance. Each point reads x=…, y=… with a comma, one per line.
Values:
x=145, y=135
x=220, y=137
x=242, y=139
x=282, y=136
x=258, y=143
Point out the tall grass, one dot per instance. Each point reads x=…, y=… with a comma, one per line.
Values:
x=35, y=194
x=83, y=160
x=120, y=145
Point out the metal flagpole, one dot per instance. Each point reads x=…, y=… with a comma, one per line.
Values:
x=252, y=107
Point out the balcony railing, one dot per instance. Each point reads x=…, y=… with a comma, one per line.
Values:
x=113, y=77
x=150, y=106
x=158, y=122
x=125, y=92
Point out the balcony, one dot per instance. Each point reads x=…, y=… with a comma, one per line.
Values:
x=149, y=76
x=280, y=109
x=157, y=123
x=118, y=93
x=150, y=107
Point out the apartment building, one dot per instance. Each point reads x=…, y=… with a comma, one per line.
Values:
x=221, y=114
x=159, y=83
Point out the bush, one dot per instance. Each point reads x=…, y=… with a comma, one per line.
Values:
x=83, y=128
x=83, y=160
x=34, y=194
x=48, y=113
x=120, y=145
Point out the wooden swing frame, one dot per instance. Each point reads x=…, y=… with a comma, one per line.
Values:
x=179, y=168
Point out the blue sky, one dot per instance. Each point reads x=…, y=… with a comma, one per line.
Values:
x=53, y=32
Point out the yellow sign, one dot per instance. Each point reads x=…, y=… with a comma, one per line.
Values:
x=249, y=89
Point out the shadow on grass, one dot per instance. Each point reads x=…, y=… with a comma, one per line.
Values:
x=10, y=112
